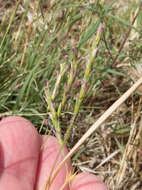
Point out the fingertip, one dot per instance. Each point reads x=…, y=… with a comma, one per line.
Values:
x=20, y=147
x=19, y=127
x=87, y=181
x=11, y=118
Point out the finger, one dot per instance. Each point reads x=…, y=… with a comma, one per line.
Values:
x=10, y=182
x=87, y=181
x=48, y=156
x=19, y=153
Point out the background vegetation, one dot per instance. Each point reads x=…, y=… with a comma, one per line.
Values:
x=62, y=64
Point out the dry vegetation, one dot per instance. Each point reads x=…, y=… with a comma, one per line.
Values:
x=53, y=40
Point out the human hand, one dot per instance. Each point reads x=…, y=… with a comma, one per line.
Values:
x=26, y=160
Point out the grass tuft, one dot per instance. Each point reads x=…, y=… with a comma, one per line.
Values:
x=90, y=54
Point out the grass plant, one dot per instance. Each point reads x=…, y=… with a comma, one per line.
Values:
x=63, y=64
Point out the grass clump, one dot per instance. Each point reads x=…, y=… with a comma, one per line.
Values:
x=61, y=71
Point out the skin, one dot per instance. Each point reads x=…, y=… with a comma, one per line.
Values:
x=26, y=160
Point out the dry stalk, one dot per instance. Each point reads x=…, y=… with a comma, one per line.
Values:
x=130, y=152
